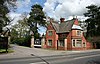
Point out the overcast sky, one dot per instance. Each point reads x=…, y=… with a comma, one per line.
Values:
x=55, y=8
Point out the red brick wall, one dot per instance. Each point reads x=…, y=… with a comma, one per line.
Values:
x=53, y=37
x=69, y=45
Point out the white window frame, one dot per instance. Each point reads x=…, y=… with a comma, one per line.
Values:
x=72, y=43
x=79, y=33
x=83, y=44
x=76, y=43
x=49, y=42
x=49, y=32
x=60, y=43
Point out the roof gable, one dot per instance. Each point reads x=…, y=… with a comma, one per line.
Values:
x=62, y=27
x=65, y=26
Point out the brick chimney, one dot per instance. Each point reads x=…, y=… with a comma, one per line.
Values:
x=76, y=21
x=62, y=20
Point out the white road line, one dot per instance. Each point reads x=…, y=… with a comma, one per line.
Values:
x=39, y=63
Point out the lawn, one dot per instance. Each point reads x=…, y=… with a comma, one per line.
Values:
x=4, y=51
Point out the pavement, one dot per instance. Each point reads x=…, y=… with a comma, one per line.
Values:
x=20, y=51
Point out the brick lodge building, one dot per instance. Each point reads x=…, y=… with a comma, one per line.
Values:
x=66, y=35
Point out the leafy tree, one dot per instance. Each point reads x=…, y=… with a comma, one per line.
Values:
x=21, y=29
x=36, y=18
x=20, y=33
x=4, y=10
x=93, y=21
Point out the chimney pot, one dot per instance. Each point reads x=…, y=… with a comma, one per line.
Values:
x=62, y=20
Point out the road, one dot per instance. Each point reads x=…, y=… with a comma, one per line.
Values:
x=76, y=58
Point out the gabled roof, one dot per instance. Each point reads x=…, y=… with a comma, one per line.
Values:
x=63, y=27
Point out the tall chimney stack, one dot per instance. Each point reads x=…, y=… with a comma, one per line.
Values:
x=62, y=20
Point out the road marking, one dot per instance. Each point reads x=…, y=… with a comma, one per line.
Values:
x=39, y=63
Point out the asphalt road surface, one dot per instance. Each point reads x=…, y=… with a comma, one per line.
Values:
x=79, y=58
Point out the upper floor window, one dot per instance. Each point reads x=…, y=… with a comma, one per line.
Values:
x=78, y=32
x=50, y=33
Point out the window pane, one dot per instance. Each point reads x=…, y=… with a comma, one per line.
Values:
x=74, y=43
x=84, y=44
x=79, y=43
x=78, y=33
x=61, y=43
x=50, y=42
x=50, y=33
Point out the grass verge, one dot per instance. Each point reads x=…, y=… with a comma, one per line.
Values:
x=4, y=51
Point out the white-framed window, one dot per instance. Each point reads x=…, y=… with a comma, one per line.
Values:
x=49, y=42
x=84, y=44
x=50, y=32
x=78, y=43
x=73, y=42
x=78, y=33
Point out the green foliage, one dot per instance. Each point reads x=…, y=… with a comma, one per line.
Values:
x=4, y=10
x=93, y=22
x=4, y=51
x=20, y=30
x=22, y=41
x=36, y=18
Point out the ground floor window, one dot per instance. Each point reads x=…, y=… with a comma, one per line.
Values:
x=73, y=43
x=61, y=43
x=79, y=43
x=76, y=42
x=49, y=42
x=84, y=44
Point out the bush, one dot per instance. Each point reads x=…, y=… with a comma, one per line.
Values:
x=22, y=41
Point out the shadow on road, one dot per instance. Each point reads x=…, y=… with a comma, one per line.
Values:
x=93, y=62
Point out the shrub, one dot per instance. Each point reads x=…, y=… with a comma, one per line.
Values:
x=22, y=41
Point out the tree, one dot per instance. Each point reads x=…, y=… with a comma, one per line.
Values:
x=93, y=21
x=20, y=30
x=4, y=10
x=36, y=18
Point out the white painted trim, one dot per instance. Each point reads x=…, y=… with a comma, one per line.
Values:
x=72, y=43
x=38, y=45
x=83, y=45
x=49, y=31
x=77, y=33
x=48, y=42
x=65, y=41
x=76, y=43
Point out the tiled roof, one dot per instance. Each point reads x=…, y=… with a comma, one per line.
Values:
x=63, y=27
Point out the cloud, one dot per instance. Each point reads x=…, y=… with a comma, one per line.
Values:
x=23, y=3
x=67, y=8
x=15, y=16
